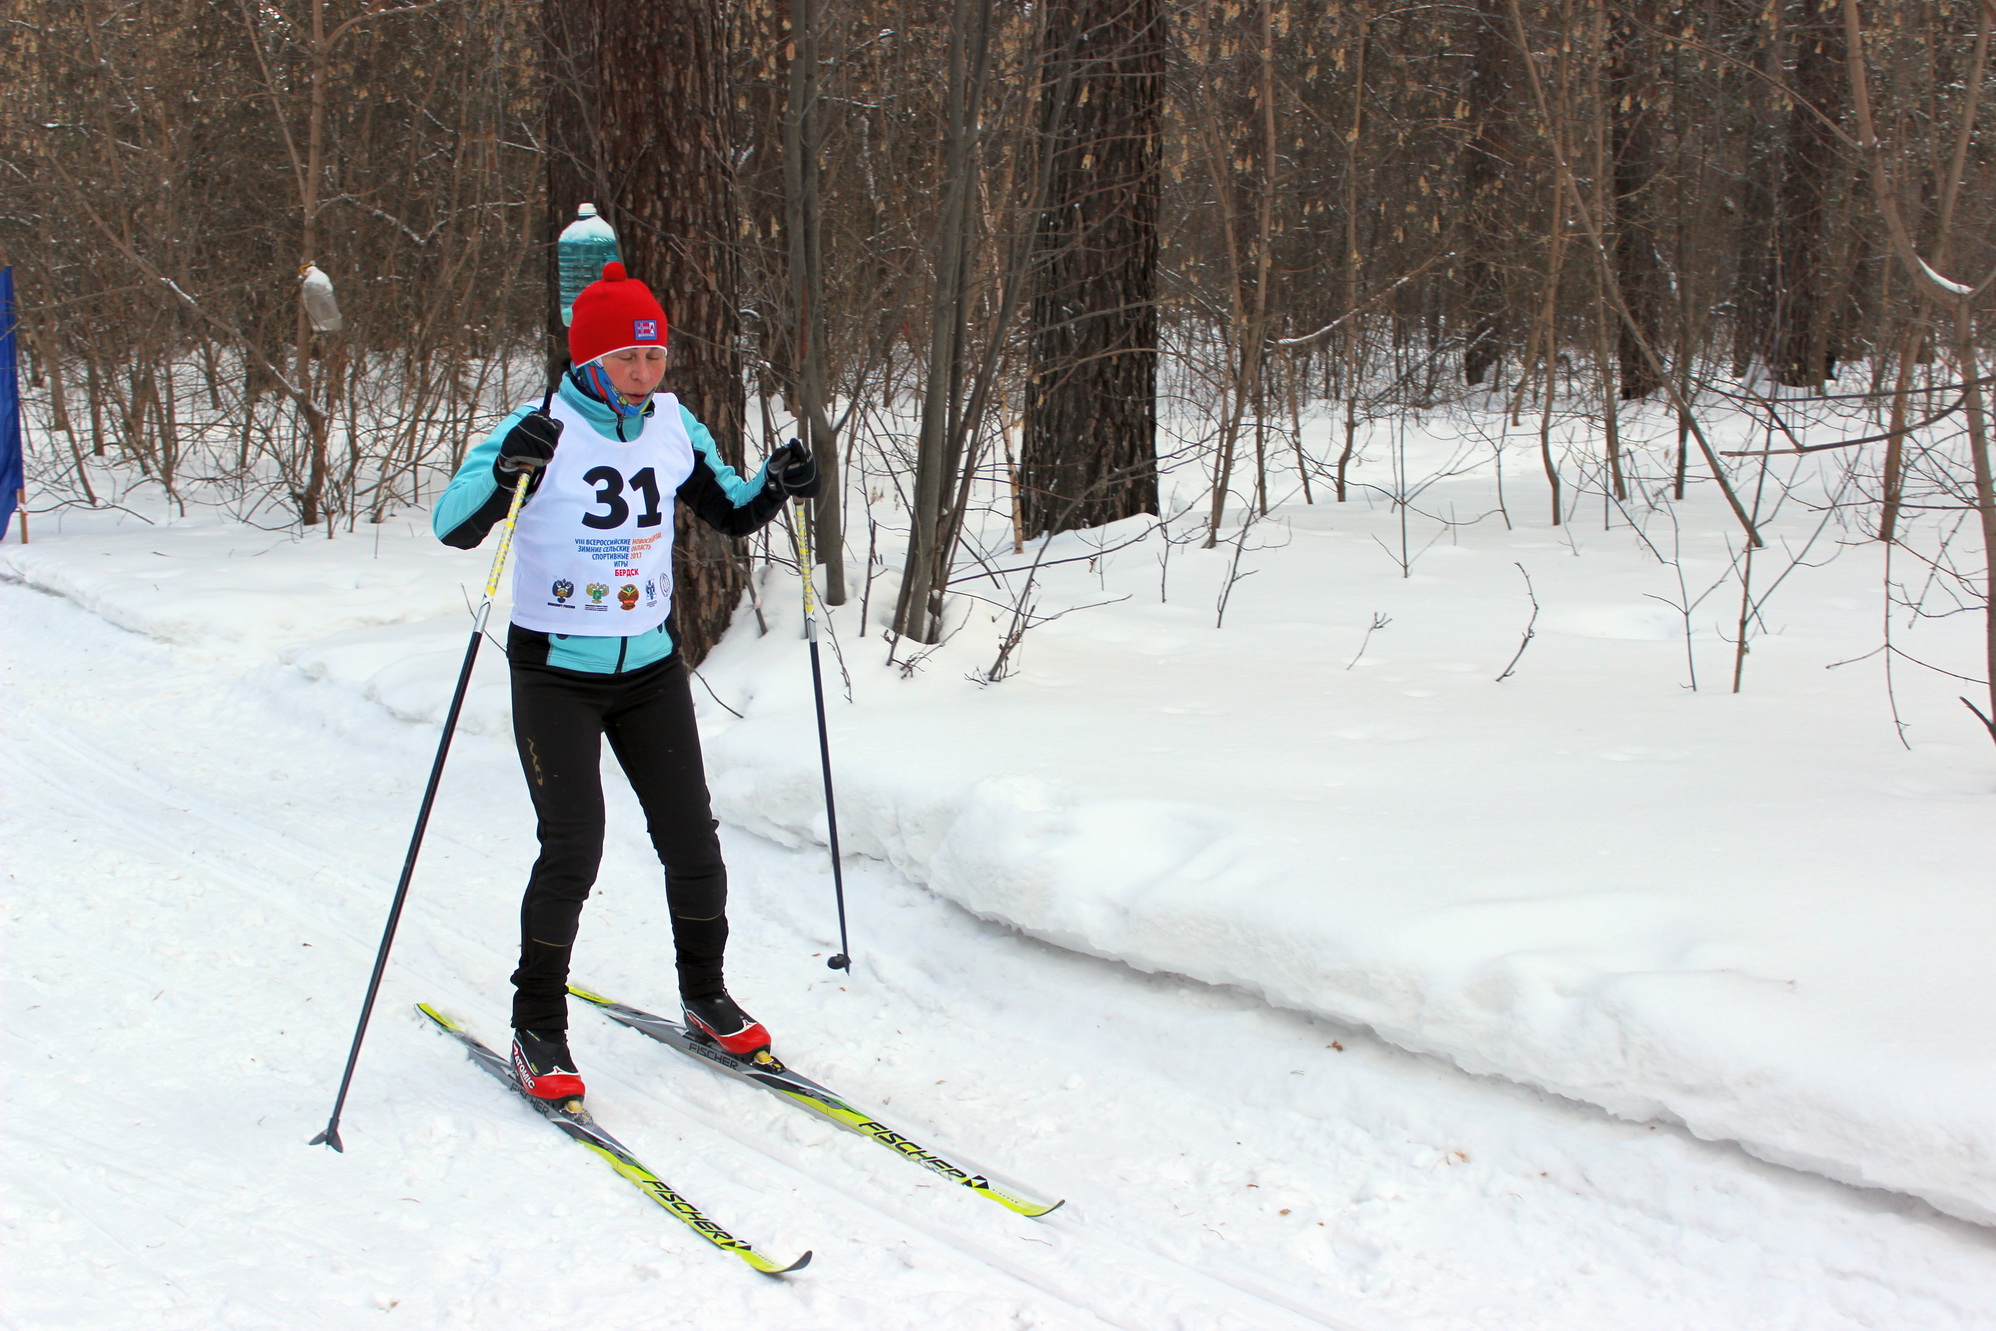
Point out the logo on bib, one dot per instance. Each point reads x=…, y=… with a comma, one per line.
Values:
x=597, y=591
x=562, y=589
x=627, y=596
x=645, y=330
x=651, y=592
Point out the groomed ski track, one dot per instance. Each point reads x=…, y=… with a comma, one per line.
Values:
x=199, y=848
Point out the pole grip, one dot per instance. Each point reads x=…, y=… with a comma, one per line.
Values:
x=506, y=534
x=800, y=535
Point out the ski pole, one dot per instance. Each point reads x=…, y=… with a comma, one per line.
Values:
x=798, y=531
x=331, y=1136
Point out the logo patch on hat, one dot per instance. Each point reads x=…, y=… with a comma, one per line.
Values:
x=645, y=330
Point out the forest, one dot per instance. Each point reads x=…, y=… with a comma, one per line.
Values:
x=1009, y=262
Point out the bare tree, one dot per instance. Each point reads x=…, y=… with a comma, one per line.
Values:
x=1958, y=297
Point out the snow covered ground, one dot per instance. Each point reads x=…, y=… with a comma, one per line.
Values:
x=1302, y=957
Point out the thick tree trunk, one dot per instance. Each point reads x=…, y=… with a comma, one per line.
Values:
x=1634, y=81
x=571, y=38
x=1756, y=304
x=658, y=87
x=1486, y=157
x=1808, y=279
x=1089, y=453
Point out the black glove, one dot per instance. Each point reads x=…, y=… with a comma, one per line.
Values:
x=794, y=472
x=529, y=444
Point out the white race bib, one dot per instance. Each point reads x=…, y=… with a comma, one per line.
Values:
x=592, y=552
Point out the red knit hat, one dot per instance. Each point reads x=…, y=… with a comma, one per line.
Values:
x=613, y=314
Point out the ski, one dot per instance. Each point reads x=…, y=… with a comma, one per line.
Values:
x=768, y=1072
x=574, y=1119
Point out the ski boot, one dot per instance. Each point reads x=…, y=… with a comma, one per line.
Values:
x=544, y=1066
x=718, y=1019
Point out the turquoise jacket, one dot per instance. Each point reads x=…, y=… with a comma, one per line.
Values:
x=474, y=502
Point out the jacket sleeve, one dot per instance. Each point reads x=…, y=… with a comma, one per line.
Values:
x=474, y=500
x=715, y=491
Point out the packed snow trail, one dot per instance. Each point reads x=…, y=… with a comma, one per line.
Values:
x=198, y=849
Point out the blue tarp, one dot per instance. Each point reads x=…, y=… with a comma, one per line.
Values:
x=10, y=406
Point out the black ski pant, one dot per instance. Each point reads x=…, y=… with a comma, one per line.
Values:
x=559, y=719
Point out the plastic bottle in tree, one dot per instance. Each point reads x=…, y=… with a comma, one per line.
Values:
x=320, y=306
x=586, y=244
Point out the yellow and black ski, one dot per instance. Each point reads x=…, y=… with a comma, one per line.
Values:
x=573, y=1118
x=768, y=1072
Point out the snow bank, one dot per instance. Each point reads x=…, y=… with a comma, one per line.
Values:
x=1821, y=1018
x=381, y=611
x=210, y=582
x=1755, y=915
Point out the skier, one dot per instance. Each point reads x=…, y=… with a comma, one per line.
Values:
x=591, y=654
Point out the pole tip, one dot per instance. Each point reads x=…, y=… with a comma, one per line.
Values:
x=840, y=962
x=330, y=1137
